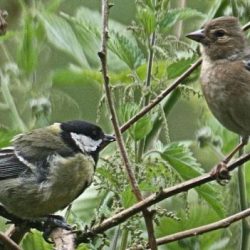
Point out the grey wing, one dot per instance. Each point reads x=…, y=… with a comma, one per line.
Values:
x=10, y=165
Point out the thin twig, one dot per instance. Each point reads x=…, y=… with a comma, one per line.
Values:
x=155, y=198
x=160, y=97
x=204, y=229
x=8, y=243
x=131, y=176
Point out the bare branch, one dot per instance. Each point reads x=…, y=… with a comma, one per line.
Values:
x=204, y=229
x=155, y=198
x=131, y=176
x=8, y=243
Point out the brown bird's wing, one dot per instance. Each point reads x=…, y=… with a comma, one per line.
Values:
x=239, y=107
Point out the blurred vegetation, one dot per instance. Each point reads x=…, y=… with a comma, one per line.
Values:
x=50, y=71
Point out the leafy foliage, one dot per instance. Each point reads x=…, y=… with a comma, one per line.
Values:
x=174, y=15
x=50, y=72
x=61, y=35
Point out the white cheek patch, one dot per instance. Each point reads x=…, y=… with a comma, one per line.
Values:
x=85, y=143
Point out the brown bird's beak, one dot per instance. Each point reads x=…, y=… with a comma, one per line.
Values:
x=197, y=35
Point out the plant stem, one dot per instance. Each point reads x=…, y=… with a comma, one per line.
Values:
x=148, y=83
x=120, y=141
x=167, y=107
x=243, y=204
x=124, y=240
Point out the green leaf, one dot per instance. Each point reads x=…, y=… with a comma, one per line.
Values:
x=181, y=160
x=35, y=240
x=175, y=15
x=82, y=247
x=61, y=35
x=147, y=19
x=177, y=68
x=128, y=198
x=87, y=34
x=126, y=50
x=27, y=55
x=142, y=128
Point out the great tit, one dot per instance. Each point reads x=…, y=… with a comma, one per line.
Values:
x=47, y=168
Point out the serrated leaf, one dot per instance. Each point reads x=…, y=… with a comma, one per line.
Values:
x=142, y=128
x=181, y=160
x=148, y=20
x=174, y=15
x=127, y=51
x=27, y=55
x=87, y=34
x=61, y=35
x=35, y=240
x=177, y=68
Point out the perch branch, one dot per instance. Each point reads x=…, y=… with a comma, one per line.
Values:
x=8, y=243
x=121, y=145
x=204, y=229
x=155, y=198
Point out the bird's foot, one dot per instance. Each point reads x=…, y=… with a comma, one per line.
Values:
x=49, y=223
x=221, y=173
x=45, y=225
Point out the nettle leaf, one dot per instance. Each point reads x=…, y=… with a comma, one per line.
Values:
x=148, y=20
x=87, y=34
x=126, y=50
x=35, y=240
x=142, y=128
x=174, y=15
x=27, y=54
x=180, y=158
x=61, y=35
x=177, y=68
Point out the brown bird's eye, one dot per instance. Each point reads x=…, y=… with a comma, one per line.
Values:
x=219, y=33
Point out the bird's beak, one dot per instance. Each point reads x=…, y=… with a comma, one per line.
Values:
x=197, y=35
x=109, y=138
x=106, y=140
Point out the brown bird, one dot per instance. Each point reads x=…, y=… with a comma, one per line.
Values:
x=225, y=77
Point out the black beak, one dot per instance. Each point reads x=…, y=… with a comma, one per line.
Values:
x=106, y=140
x=197, y=35
x=109, y=138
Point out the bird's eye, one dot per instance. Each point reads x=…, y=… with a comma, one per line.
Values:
x=219, y=33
